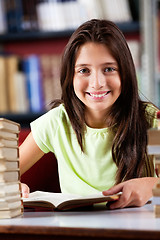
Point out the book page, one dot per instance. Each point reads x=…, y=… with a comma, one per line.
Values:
x=54, y=198
x=57, y=199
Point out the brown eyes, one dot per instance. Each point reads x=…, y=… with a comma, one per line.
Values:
x=105, y=70
x=109, y=69
x=84, y=70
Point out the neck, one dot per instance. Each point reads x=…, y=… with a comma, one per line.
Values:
x=96, y=120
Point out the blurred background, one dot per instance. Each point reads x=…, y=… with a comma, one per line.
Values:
x=33, y=34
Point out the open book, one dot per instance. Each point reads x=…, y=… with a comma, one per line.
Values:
x=61, y=201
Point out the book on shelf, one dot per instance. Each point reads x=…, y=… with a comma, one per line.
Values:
x=116, y=10
x=91, y=9
x=50, y=72
x=47, y=76
x=59, y=15
x=30, y=22
x=14, y=15
x=19, y=88
x=61, y=201
x=55, y=63
x=13, y=82
x=31, y=68
x=3, y=89
x=21, y=98
x=3, y=21
x=12, y=69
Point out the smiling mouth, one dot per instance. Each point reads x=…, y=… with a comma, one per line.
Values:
x=100, y=95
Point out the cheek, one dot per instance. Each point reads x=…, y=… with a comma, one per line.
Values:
x=79, y=84
x=115, y=83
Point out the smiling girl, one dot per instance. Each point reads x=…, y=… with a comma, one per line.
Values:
x=98, y=131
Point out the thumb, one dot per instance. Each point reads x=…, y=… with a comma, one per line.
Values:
x=113, y=190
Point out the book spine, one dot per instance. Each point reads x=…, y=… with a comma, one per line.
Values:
x=29, y=15
x=31, y=68
x=50, y=72
x=3, y=89
x=14, y=15
x=12, y=67
x=22, y=102
x=3, y=20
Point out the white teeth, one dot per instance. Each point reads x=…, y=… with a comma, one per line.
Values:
x=98, y=95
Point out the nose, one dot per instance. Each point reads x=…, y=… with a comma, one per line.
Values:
x=97, y=80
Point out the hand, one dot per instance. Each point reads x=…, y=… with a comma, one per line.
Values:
x=25, y=190
x=135, y=192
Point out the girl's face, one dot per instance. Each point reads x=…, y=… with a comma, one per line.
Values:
x=96, y=80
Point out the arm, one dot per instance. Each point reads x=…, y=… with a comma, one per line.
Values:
x=29, y=153
x=135, y=192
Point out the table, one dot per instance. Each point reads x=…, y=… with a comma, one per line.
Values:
x=98, y=223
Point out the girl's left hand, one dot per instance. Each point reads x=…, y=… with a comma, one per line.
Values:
x=25, y=190
x=135, y=192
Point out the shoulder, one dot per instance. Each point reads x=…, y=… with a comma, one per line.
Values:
x=58, y=112
x=151, y=114
x=52, y=118
x=46, y=128
x=150, y=108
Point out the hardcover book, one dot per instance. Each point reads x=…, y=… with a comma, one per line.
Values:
x=8, y=125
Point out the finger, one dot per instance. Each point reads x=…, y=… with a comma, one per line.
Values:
x=25, y=190
x=123, y=201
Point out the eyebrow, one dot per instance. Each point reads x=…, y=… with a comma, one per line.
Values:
x=86, y=64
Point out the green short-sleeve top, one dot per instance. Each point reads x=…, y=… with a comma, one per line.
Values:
x=80, y=172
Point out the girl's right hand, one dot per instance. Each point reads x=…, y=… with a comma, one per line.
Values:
x=25, y=190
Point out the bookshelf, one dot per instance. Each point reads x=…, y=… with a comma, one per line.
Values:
x=127, y=28
x=149, y=25
x=37, y=35
x=38, y=42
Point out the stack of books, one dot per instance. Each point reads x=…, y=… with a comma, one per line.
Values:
x=156, y=199
x=10, y=190
x=154, y=149
x=154, y=146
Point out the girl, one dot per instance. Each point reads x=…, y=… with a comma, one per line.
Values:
x=98, y=131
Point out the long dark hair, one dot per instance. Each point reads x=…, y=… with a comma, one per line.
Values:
x=128, y=112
